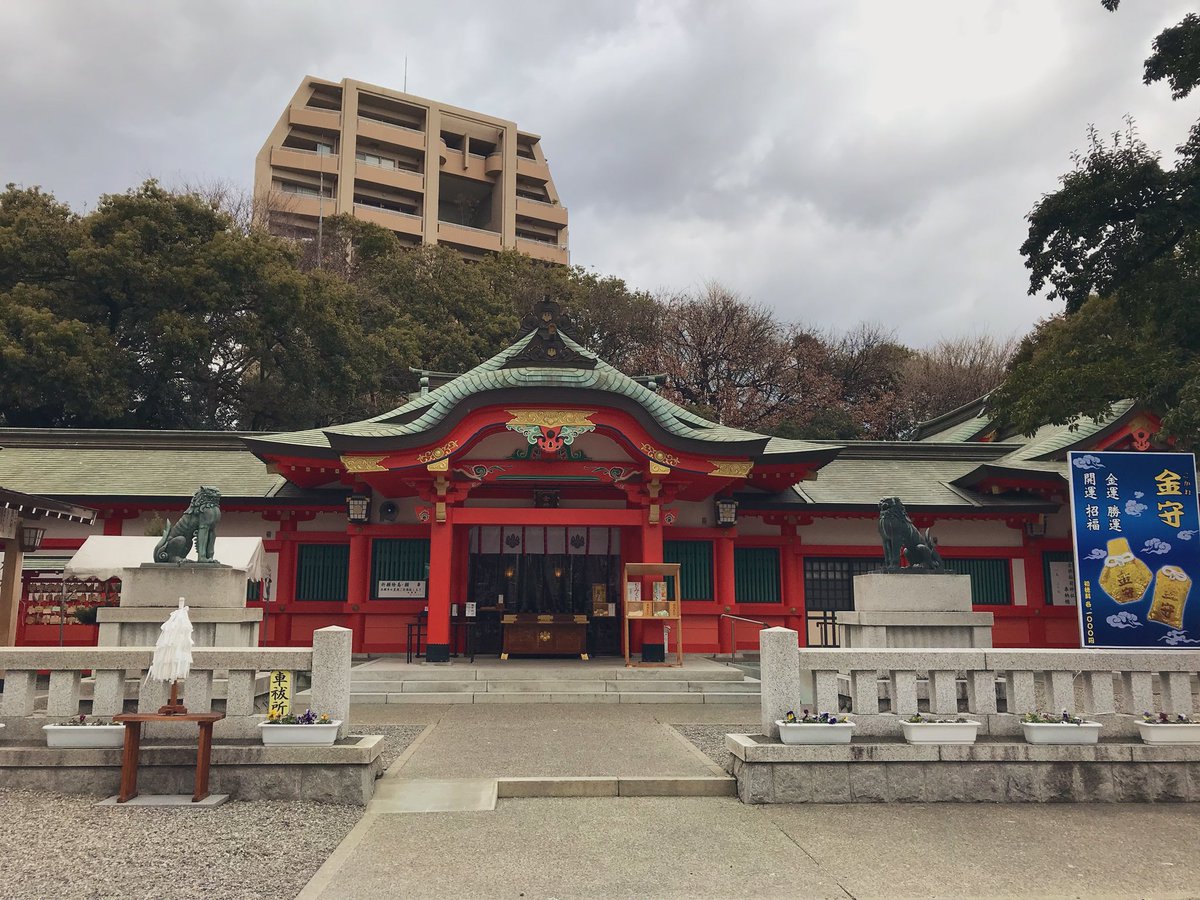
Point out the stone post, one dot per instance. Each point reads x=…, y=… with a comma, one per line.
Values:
x=331, y=674
x=779, y=654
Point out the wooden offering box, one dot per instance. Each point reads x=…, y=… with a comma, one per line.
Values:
x=663, y=606
x=552, y=634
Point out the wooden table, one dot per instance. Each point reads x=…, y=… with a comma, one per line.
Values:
x=133, y=745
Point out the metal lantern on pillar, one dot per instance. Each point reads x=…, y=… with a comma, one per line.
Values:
x=726, y=511
x=358, y=508
x=31, y=538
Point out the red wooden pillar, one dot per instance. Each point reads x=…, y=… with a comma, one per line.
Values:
x=441, y=566
x=113, y=524
x=1035, y=591
x=791, y=555
x=651, y=633
x=726, y=591
x=285, y=584
x=358, y=581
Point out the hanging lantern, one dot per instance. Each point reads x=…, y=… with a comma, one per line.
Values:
x=726, y=511
x=31, y=538
x=358, y=508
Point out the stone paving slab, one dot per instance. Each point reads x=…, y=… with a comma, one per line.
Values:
x=185, y=800
x=551, y=739
x=614, y=847
x=395, y=795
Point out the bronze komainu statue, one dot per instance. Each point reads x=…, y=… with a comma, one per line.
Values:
x=196, y=526
x=900, y=534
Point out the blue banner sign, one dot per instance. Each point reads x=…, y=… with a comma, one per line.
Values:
x=1137, y=549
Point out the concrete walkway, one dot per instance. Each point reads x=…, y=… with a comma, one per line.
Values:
x=438, y=827
x=553, y=739
x=678, y=847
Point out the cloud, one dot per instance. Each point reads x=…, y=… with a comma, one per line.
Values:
x=1156, y=546
x=1133, y=508
x=1087, y=462
x=1139, y=494
x=1123, y=620
x=1186, y=535
x=837, y=162
x=1176, y=637
x=1096, y=553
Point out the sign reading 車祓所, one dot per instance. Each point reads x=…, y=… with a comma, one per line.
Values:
x=1137, y=548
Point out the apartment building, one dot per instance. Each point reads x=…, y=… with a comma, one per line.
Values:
x=431, y=173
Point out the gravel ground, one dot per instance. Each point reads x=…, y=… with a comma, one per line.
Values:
x=711, y=740
x=396, y=738
x=52, y=846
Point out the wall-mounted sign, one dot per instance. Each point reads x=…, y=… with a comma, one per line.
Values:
x=407, y=589
x=1137, y=549
x=1062, y=583
x=9, y=522
x=471, y=609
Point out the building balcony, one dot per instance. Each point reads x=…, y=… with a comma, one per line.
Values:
x=531, y=168
x=469, y=237
x=544, y=251
x=494, y=163
x=554, y=213
x=391, y=134
x=406, y=223
x=305, y=160
x=397, y=178
x=307, y=117
x=302, y=204
x=468, y=165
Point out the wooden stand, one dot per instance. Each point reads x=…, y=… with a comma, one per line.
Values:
x=656, y=611
x=133, y=744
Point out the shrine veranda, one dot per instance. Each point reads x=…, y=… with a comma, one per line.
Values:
x=520, y=490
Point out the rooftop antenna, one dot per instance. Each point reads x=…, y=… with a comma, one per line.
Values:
x=406, y=74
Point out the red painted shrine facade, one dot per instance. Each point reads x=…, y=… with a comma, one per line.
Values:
x=525, y=485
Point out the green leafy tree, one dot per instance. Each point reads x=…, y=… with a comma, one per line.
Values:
x=1125, y=228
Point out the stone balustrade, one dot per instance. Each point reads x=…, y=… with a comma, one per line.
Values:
x=881, y=687
x=106, y=672
x=1108, y=684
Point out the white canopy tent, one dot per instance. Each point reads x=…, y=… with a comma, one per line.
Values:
x=105, y=556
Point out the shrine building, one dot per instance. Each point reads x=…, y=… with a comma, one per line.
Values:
x=499, y=507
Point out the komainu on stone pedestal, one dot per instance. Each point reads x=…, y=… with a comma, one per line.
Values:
x=900, y=534
x=197, y=526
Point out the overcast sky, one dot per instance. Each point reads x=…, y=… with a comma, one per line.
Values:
x=838, y=161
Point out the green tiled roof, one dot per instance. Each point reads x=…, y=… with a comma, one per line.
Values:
x=1050, y=439
x=427, y=412
x=960, y=432
x=918, y=482
x=81, y=472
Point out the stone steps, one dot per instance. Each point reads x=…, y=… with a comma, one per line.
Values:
x=553, y=687
x=692, y=697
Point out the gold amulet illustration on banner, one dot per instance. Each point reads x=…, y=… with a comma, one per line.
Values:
x=1171, y=588
x=1124, y=577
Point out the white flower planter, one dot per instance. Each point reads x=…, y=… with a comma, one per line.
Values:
x=321, y=735
x=1058, y=733
x=84, y=736
x=940, y=732
x=1153, y=733
x=795, y=733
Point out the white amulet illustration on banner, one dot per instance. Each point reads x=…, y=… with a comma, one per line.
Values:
x=1124, y=577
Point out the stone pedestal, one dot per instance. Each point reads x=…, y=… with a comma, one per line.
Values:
x=215, y=596
x=914, y=611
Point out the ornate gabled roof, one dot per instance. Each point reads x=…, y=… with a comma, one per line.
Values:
x=423, y=417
